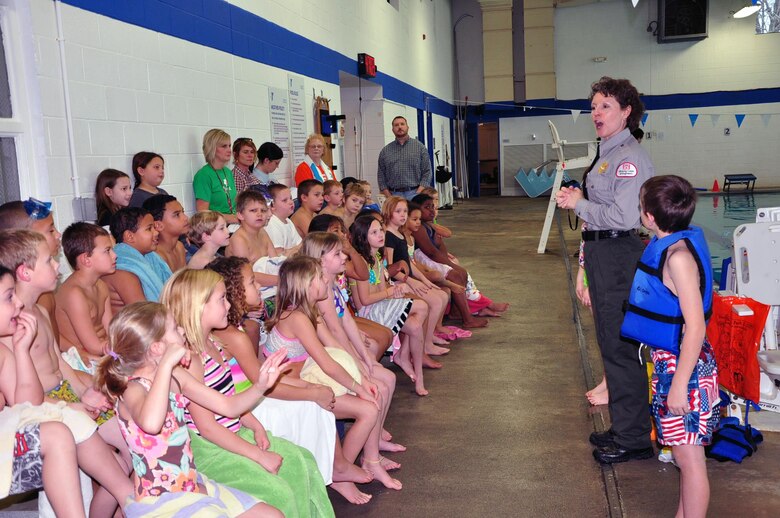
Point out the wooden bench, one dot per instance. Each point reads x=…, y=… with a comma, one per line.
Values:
x=749, y=180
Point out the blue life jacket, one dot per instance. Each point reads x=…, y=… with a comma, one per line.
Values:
x=653, y=315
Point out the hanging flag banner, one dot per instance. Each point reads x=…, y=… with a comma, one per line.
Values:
x=693, y=117
x=714, y=118
x=765, y=119
x=740, y=117
x=575, y=114
x=644, y=118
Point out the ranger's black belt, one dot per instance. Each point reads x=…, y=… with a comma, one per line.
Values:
x=596, y=235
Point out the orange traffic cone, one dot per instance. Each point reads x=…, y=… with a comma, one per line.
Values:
x=715, y=186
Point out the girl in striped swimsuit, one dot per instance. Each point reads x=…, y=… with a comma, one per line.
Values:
x=237, y=451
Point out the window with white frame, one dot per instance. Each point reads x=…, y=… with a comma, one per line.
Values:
x=18, y=87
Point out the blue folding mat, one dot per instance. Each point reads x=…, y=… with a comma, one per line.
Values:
x=535, y=183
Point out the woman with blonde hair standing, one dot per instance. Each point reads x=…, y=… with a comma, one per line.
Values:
x=214, y=185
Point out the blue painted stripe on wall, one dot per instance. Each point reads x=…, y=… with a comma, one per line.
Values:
x=223, y=26
x=547, y=107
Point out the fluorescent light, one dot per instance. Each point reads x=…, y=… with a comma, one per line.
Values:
x=748, y=10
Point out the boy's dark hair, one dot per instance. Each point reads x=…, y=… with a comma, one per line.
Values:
x=142, y=160
x=671, y=200
x=420, y=199
x=305, y=187
x=156, y=205
x=322, y=222
x=358, y=233
x=275, y=188
x=348, y=180
x=270, y=151
x=626, y=95
x=13, y=216
x=413, y=206
x=243, y=199
x=127, y=218
x=79, y=238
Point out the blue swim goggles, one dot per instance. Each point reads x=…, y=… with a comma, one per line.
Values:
x=37, y=209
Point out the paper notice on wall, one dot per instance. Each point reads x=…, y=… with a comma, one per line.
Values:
x=298, y=131
x=279, y=111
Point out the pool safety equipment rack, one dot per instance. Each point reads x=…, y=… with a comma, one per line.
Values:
x=561, y=166
x=756, y=256
x=746, y=179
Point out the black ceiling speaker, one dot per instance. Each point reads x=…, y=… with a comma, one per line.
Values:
x=682, y=20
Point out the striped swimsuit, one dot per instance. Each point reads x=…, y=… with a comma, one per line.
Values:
x=217, y=376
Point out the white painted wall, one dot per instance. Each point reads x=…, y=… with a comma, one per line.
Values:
x=132, y=89
x=732, y=57
x=393, y=36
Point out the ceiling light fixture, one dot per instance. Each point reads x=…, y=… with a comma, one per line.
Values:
x=749, y=9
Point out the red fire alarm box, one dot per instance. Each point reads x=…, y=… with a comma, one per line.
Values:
x=366, y=65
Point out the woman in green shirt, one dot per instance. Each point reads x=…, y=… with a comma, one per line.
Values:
x=214, y=186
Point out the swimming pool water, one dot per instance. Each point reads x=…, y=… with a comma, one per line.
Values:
x=718, y=215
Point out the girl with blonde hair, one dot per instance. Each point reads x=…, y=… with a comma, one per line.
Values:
x=236, y=450
x=145, y=372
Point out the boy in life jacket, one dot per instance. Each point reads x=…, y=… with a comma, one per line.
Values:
x=669, y=302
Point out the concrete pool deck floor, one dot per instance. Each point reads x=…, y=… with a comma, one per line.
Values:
x=505, y=429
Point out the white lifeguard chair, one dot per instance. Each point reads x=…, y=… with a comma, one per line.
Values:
x=756, y=260
x=563, y=164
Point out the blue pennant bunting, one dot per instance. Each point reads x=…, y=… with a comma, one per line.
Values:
x=740, y=117
x=644, y=118
x=693, y=117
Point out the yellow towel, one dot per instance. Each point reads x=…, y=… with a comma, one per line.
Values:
x=312, y=372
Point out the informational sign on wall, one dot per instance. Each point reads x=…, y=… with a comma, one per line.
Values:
x=279, y=105
x=298, y=132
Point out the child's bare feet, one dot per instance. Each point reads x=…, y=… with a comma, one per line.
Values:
x=487, y=312
x=599, y=395
x=389, y=464
x=390, y=446
x=386, y=436
x=472, y=322
x=419, y=388
x=435, y=350
x=601, y=387
x=439, y=339
x=499, y=306
x=430, y=363
x=346, y=472
x=600, y=398
x=406, y=366
x=375, y=467
x=350, y=491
